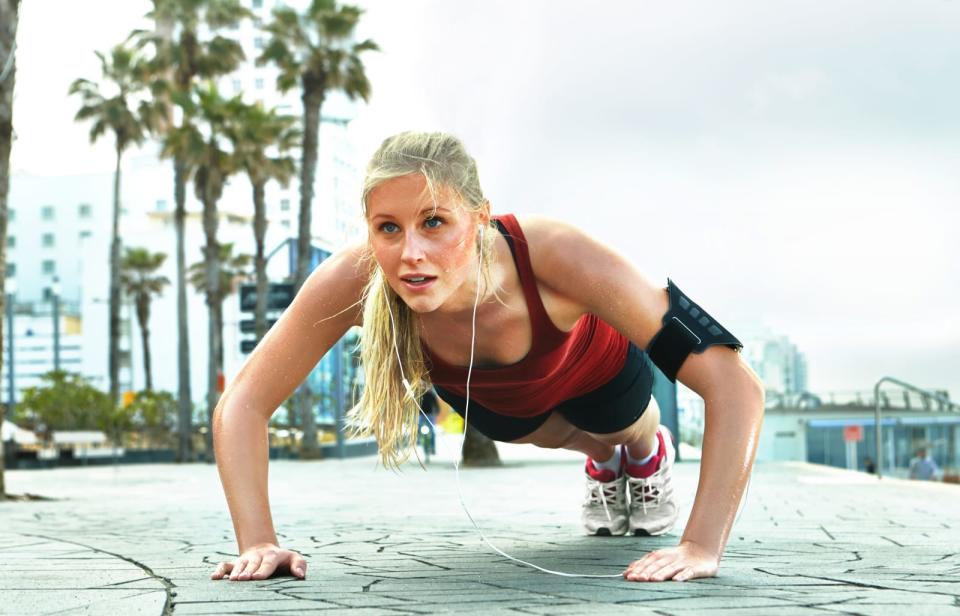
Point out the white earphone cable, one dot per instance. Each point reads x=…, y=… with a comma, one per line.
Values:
x=466, y=411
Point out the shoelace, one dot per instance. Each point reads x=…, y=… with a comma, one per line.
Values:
x=599, y=490
x=643, y=487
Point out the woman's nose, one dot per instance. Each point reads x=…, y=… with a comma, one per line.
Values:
x=412, y=248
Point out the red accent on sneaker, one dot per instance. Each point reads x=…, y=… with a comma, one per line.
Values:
x=645, y=470
x=599, y=474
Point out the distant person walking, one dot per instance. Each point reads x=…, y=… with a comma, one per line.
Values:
x=923, y=467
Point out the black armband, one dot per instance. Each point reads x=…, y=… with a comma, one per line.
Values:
x=687, y=328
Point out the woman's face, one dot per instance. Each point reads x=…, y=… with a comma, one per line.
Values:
x=426, y=252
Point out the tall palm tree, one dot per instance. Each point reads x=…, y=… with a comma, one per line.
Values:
x=232, y=268
x=124, y=72
x=260, y=142
x=9, y=17
x=183, y=57
x=315, y=49
x=138, y=279
x=208, y=118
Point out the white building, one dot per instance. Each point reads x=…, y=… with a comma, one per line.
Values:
x=777, y=361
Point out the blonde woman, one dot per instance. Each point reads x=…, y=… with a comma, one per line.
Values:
x=561, y=330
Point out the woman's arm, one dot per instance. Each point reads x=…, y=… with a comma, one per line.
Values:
x=318, y=316
x=606, y=284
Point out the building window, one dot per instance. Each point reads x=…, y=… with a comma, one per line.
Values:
x=84, y=210
x=11, y=241
x=49, y=241
x=258, y=83
x=285, y=224
x=11, y=215
x=49, y=267
x=257, y=4
x=11, y=270
x=46, y=212
x=161, y=205
x=237, y=86
x=284, y=205
x=258, y=42
x=85, y=234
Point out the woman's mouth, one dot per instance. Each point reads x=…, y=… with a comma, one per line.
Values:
x=418, y=283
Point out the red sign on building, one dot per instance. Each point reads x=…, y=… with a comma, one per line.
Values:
x=853, y=434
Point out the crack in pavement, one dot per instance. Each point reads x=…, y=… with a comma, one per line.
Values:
x=168, y=586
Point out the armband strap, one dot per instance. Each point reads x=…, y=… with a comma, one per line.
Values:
x=687, y=328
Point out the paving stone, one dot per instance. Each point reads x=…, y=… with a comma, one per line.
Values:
x=139, y=539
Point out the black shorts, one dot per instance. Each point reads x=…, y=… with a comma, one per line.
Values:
x=612, y=407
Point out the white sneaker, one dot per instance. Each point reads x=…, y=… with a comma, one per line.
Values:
x=653, y=507
x=605, y=506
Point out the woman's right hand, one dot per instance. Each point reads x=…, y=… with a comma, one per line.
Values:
x=260, y=562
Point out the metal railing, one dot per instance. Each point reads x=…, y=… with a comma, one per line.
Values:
x=926, y=395
x=908, y=400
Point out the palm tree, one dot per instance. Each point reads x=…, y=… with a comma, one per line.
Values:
x=257, y=132
x=138, y=280
x=232, y=268
x=124, y=71
x=9, y=11
x=315, y=50
x=208, y=118
x=182, y=56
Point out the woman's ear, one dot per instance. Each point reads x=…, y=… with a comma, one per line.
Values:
x=485, y=213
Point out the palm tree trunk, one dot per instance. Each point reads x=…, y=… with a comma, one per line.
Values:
x=212, y=258
x=143, y=317
x=8, y=37
x=114, y=358
x=185, y=406
x=312, y=103
x=478, y=449
x=259, y=260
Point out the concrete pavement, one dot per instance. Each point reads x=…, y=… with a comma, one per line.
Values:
x=144, y=540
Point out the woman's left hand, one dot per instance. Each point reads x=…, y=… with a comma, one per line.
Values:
x=687, y=561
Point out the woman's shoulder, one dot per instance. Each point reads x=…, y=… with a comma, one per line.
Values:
x=551, y=243
x=547, y=235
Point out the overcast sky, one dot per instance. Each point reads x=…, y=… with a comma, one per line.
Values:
x=790, y=165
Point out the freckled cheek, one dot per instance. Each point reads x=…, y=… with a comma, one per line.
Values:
x=452, y=253
x=388, y=259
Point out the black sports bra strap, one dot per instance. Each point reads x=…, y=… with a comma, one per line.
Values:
x=508, y=237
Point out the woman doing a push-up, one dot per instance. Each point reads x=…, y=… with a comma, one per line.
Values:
x=565, y=335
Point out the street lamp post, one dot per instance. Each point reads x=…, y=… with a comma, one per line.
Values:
x=55, y=295
x=11, y=392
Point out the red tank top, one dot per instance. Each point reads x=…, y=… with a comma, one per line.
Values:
x=560, y=365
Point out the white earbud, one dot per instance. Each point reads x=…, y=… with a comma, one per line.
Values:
x=480, y=228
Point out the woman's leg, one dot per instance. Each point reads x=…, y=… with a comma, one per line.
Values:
x=558, y=433
x=639, y=437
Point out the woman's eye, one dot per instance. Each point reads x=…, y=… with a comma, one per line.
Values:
x=388, y=227
x=428, y=222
